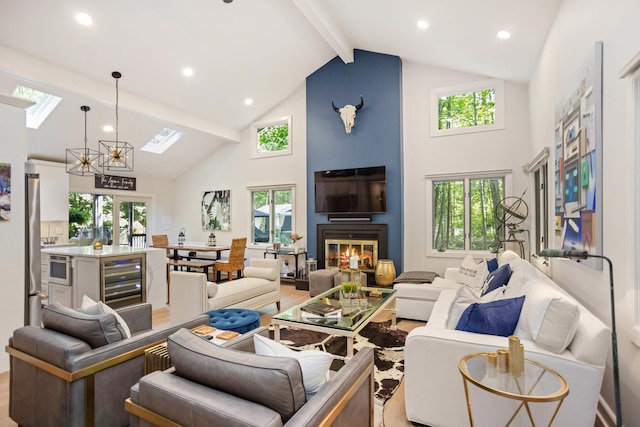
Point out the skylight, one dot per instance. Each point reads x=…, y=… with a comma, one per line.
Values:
x=162, y=141
x=44, y=104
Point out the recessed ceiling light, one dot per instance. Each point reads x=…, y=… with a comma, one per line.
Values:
x=84, y=19
x=504, y=35
x=107, y=128
x=187, y=71
x=423, y=25
x=248, y=101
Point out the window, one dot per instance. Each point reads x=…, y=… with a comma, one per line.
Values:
x=272, y=214
x=467, y=108
x=463, y=211
x=537, y=170
x=162, y=141
x=271, y=138
x=44, y=104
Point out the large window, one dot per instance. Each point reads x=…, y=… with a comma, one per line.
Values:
x=463, y=212
x=271, y=137
x=272, y=214
x=472, y=107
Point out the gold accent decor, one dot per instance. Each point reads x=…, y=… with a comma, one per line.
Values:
x=385, y=272
x=147, y=415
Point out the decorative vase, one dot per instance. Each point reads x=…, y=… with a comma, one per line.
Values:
x=296, y=246
x=385, y=272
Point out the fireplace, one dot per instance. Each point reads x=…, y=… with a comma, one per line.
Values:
x=337, y=242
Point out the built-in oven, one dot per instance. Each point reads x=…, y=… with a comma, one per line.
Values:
x=60, y=269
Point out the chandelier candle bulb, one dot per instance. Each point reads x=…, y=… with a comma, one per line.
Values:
x=353, y=262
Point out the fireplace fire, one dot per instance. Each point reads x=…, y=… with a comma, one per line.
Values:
x=337, y=253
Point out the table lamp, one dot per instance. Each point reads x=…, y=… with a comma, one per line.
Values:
x=559, y=253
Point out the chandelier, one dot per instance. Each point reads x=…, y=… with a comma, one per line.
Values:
x=118, y=155
x=84, y=161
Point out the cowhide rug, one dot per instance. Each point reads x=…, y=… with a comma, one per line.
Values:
x=388, y=347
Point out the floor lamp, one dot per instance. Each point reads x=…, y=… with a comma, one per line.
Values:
x=558, y=253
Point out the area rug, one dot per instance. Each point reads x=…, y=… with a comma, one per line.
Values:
x=388, y=348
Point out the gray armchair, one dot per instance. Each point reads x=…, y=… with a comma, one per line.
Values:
x=253, y=390
x=57, y=379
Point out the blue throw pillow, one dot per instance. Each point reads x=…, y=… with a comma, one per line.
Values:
x=496, y=279
x=492, y=318
x=492, y=265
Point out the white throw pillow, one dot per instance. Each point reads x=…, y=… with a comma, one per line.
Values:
x=261, y=273
x=315, y=364
x=472, y=274
x=464, y=298
x=212, y=289
x=88, y=303
x=550, y=317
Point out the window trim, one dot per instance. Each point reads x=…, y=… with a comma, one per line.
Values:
x=499, y=123
x=255, y=126
x=541, y=220
x=270, y=188
x=430, y=251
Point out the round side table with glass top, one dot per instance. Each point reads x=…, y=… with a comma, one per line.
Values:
x=537, y=384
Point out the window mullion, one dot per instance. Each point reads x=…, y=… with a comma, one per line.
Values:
x=467, y=215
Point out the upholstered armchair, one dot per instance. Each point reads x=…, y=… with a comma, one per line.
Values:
x=235, y=261
x=59, y=379
x=231, y=385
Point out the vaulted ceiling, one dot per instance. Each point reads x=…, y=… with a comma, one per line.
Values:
x=258, y=49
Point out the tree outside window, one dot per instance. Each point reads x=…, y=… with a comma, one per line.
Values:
x=273, y=210
x=467, y=109
x=271, y=137
x=464, y=214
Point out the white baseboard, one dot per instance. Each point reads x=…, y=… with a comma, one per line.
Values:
x=605, y=417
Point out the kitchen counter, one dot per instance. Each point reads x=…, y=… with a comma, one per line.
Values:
x=106, y=251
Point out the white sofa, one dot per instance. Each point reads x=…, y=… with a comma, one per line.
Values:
x=434, y=393
x=192, y=294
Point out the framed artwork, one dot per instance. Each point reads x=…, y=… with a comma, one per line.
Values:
x=5, y=192
x=578, y=163
x=216, y=210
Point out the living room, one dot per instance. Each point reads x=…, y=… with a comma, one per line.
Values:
x=393, y=129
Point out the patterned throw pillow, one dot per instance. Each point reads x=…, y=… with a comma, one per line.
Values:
x=472, y=274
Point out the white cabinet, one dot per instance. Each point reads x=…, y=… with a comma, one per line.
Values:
x=86, y=279
x=61, y=294
x=54, y=189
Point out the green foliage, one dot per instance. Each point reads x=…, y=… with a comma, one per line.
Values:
x=449, y=214
x=349, y=287
x=273, y=138
x=467, y=109
x=76, y=218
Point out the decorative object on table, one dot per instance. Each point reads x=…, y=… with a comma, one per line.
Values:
x=216, y=210
x=348, y=114
x=579, y=158
x=385, y=272
x=389, y=354
x=118, y=154
x=97, y=245
x=321, y=309
x=212, y=239
x=84, y=161
x=181, y=237
x=556, y=253
x=277, y=246
x=295, y=241
x=510, y=213
x=353, y=262
x=352, y=297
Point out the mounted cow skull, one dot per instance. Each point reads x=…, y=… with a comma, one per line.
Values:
x=348, y=114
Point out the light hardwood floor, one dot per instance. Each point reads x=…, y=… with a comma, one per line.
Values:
x=394, y=414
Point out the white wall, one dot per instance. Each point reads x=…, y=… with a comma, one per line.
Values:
x=12, y=237
x=579, y=24
x=423, y=155
x=231, y=167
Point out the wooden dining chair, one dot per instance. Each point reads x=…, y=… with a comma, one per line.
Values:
x=235, y=261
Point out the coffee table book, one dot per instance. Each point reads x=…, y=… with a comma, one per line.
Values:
x=322, y=309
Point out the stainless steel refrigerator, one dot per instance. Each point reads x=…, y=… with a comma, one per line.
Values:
x=32, y=288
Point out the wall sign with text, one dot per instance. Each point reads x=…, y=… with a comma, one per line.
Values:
x=116, y=182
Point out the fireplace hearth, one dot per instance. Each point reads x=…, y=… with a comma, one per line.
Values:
x=334, y=239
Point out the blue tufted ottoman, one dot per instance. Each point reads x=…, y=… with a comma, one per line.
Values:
x=234, y=319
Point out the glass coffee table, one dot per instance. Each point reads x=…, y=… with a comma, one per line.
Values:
x=351, y=321
x=538, y=384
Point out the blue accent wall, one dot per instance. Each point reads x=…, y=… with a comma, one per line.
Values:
x=375, y=139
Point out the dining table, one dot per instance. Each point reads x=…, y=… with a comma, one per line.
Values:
x=197, y=248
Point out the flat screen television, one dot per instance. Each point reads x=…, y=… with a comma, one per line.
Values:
x=360, y=190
